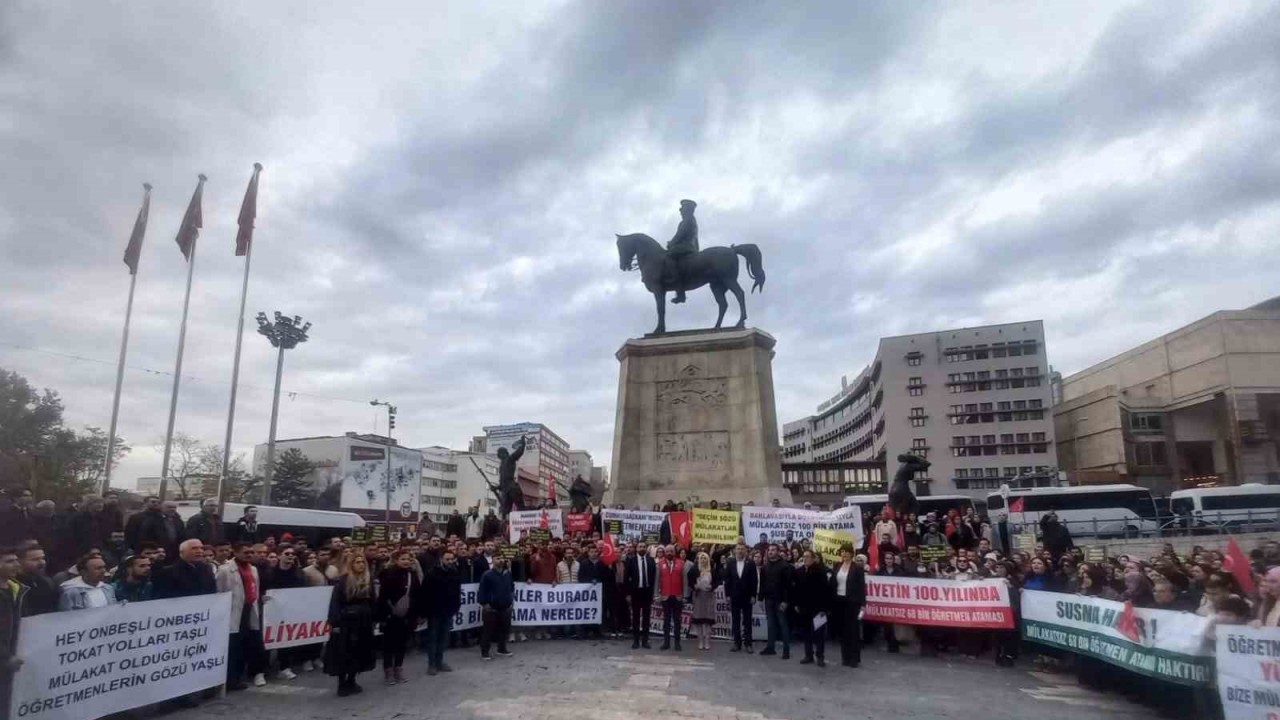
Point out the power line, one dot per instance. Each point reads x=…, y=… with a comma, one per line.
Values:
x=166, y=373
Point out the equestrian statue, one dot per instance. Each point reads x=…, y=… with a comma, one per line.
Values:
x=682, y=267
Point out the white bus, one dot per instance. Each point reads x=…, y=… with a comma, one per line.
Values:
x=1230, y=507
x=939, y=504
x=1087, y=511
x=315, y=525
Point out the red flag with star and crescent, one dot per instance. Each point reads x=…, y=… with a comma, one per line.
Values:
x=609, y=554
x=1235, y=562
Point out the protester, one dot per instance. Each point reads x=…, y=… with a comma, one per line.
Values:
x=740, y=586
x=474, y=524
x=641, y=571
x=442, y=597
x=775, y=587
x=567, y=571
x=44, y=592
x=671, y=588
x=351, y=649
x=284, y=576
x=189, y=575
x=245, y=652
x=207, y=525
x=496, y=596
x=702, y=582
x=247, y=526
x=849, y=595
x=90, y=589
x=455, y=526
x=398, y=607
x=811, y=597
x=13, y=597
x=135, y=584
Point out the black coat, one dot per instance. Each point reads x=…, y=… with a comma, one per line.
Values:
x=183, y=579
x=86, y=532
x=205, y=528
x=812, y=592
x=393, y=583
x=442, y=592
x=351, y=647
x=277, y=579
x=43, y=597
x=855, y=586
x=776, y=580
x=740, y=590
x=479, y=566
x=492, y=528
x=632, y=572
x=455, y=525
x=590, y=571
x=12, y=610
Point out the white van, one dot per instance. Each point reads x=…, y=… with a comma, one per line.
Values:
x=1231, y=507
x=1087, y=511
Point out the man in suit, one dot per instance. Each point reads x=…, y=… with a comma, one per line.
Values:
x=191, y=575
x=740, y=583
x=641, y=579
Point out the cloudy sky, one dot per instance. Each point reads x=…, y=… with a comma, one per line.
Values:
x=443, y=182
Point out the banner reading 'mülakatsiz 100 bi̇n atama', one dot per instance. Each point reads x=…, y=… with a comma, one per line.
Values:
x=1161, y=644
x=944, y=603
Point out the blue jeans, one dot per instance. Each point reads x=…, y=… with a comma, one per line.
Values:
x=777, y=624
x=438, y=627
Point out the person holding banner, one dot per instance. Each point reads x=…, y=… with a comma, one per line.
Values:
x=849, y=594
x=496, y=595
x=287, y=574
x=350, y=650
x=397, y=610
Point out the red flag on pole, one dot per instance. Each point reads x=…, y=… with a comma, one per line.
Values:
x=1016, y=505
x=248, y=213
x=551, y=487
x=681, y=528
x=1236, y=563
x=609, y=555
x=873, y=552
x=134, y=249
x=192, y=221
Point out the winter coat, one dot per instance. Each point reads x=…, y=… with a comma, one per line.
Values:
x=441, y=592
x=228, y=580
x=351, y=647
x=75, y=594
x=812, y=593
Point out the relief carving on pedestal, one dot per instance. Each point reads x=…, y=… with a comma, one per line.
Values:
x=693, y=450
x=692, y=390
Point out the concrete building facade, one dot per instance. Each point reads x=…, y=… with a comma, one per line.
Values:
x=472, y=473
x=974, y=401
x=1197, y=407
x=439, y=482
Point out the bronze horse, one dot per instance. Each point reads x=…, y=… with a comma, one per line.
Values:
x=715, y=266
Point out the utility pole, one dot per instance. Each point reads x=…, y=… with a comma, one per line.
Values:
x=391, y=425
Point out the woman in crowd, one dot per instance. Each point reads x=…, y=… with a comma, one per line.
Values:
x=1093, y=582
x=398, y=586
x=350, y=650
x=1007, y=640
x=1269, y=608
x=703, y=585
x=1037, y=578
x=1137, y=588
x=287, y=574
x=849, y=593
x=811, y=596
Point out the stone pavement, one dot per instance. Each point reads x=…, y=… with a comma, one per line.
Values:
x=606, y=680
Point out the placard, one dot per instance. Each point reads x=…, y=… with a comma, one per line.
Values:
x=827, y=544
x=1249, y=672
x=520, y=520
x=718, y=527
x=85, y=664
x=295, y=616
x=632, y=525
x=942, y=603
x=931, y=553
x=578, y=522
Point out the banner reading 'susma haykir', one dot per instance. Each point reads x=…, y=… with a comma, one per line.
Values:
x=943, y=603
x=1162, y=644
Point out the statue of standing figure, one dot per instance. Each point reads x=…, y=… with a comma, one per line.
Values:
x=580, y=495
x=510, y=497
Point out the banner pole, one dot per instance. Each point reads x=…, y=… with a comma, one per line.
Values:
x=235, y=382
x=115, y=403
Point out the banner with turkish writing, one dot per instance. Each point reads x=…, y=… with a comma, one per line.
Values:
x=1249, y=672
x=522, y=521
x=295, y=616
x=943, y=603
x=577, y=522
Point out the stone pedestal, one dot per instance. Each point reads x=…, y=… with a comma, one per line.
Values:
x=696, y=419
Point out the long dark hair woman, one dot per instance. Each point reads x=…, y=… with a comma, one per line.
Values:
x=350, y=650
x=398, y=587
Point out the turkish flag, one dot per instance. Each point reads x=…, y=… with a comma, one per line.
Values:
x=544, y=520
x=609, y=555
x=1127, y=624
x=1236, y=563
x=873, y=550
x=1016, y=506
x=681, y=528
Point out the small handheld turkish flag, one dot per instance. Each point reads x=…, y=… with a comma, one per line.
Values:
x=544, y=520
x=1127, y=623
x=1235, y=562
x=609, y=555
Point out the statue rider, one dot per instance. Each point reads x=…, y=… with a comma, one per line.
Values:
x=580, y=495
x=509, y=493
x=682, y=246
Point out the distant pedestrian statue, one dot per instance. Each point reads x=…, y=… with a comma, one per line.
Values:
x=510, y=497
x=683, y=266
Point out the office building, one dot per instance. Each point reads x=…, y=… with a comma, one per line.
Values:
x=973, y=401
x=1197, y=407
x=439, y=482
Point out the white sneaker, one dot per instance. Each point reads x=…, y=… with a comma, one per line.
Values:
x=308, y=666
x=259, y=680
x=287, y=674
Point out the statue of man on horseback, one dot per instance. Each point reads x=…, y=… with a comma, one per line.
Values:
x=683, y=244
x=682, y=266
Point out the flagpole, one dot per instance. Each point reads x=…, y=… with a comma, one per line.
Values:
x=177, y=370
x=235, y=380
x=115, y=404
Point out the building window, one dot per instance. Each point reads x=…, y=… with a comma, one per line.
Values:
x=1036, y=404
x=917, y=412
x=1038, y=437
x=920, y=442
x=917, y=422
x=914, y=360
x=915, y=391
x=1150, y=453
x=1146, y=422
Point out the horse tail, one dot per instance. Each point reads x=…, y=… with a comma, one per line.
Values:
x=755, y=264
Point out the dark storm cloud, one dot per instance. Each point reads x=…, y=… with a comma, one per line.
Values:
x=443, y=185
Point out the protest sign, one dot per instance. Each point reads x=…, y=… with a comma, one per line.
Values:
x=1249, y=672
x=632, y=525
x=930, y=553
x=509, y=552
x=1095, y=553
x=723, y=628
x=827, y=543
x=566, y=604
x=360, y=536
x=719, y=527
x=1026, y=542
x=943, y=603
x=538, y=536
x=468, y=615
x=295, y=616
x=521, y=520
x=577, y=522
x=770, y=524
x=89, y=663
x=1162, y=644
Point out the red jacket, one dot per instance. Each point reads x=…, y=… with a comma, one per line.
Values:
x=542, y=567
x=671, y=578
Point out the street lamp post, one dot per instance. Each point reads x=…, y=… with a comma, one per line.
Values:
x=391, y=425
x=285, y=333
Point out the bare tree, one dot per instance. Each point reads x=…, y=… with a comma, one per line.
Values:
x=185, y=467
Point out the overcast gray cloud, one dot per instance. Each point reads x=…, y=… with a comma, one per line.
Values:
x=443, y=182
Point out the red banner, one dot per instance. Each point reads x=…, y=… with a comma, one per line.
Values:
x=974, y=604
x=681, y=528
x=577, y=522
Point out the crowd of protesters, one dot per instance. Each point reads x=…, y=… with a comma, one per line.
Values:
x=410, y=591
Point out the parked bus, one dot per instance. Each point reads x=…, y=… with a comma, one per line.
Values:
x=1231, y=507
x=1087, y=511
x=315, y=525
x=939, y=504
